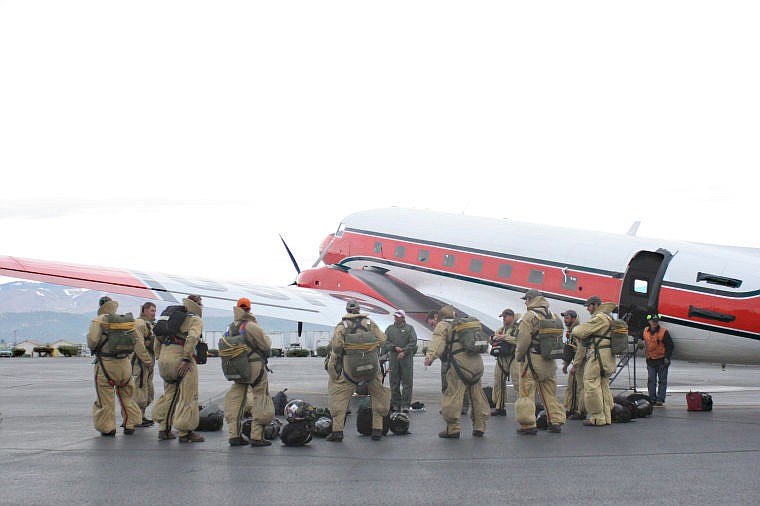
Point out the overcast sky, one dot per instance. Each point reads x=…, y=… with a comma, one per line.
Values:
x=182, y=137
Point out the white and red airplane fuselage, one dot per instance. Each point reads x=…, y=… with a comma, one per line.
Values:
x=708, y=296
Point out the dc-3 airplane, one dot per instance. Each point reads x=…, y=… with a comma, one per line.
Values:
x=419, y=260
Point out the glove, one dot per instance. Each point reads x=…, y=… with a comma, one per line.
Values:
x=640, y=345
x=667, y=362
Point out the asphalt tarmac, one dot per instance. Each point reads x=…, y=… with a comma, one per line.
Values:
x=50, y=453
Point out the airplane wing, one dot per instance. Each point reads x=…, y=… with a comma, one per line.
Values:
x=288, y=303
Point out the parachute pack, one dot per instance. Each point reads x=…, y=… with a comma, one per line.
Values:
x=170, y=321
x=549, y=336
x=361, y=360
x=469, y=332
x=118, y=336
x=619, y=336
x=236, y=355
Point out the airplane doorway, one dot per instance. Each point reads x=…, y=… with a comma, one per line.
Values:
x=640, y=292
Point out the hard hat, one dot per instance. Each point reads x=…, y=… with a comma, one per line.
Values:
x=298, y=410
x=399, y=423
x=323, y=426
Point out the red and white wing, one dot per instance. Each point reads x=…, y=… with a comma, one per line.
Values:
x=293, y=303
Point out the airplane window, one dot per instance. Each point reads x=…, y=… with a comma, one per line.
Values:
x=379, y=248
x=640, y=286
x=505, y=271
x=476, y=265
x=423, y=255
x=448, y=260
x=570, y=282
x=400, y=251
x=536, y=277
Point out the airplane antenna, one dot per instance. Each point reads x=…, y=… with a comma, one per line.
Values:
x=634, y=228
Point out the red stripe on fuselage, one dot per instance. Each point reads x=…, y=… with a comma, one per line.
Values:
x=673, y=302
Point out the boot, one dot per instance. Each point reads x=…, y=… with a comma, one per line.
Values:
x=478, y=433
x=237, y=441
x=447, y=435
x=377, y=434
x=530, y=431
x=335, y=437
x=191, y=437
x=109, y=434
x=499, y=412
x=163, y=436
x=260, y=442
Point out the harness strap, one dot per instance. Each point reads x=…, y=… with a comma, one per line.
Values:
x=108, y=378
x=459, y=370
x=602, y=372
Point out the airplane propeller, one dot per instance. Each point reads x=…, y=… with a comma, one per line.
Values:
x=298, y=271
x=292, y=258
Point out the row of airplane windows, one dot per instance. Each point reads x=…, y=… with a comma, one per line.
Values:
x=476, y=265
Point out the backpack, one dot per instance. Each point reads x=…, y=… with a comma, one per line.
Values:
x=170, y=321
x=280, y=400
x=361, y=360
x=618, y=336
x=236, y=354
x=469, y=332
x=549, y=335
x=119, y=332
x=364, y=417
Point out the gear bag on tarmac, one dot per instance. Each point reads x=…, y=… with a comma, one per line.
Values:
x=361, y=360
x=549, y=336
x=698, y=401
x=469, y=332
x=210, y=418
x=118, y=339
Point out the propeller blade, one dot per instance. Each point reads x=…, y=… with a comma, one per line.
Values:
x=300, y=329
x=324, y=252
x=292, y=258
